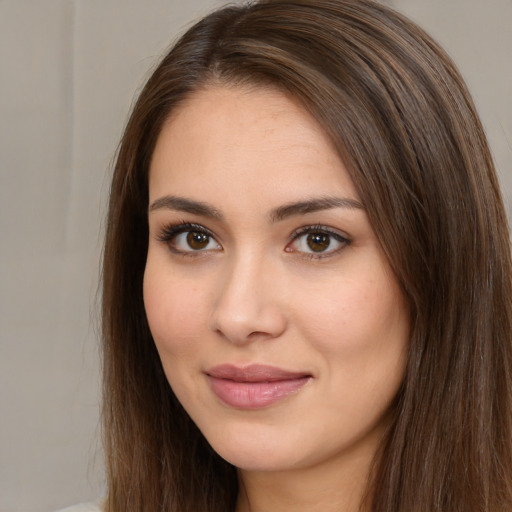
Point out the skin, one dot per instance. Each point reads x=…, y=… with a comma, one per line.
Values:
x=256, y=292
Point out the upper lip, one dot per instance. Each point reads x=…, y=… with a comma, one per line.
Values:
x=253, y=373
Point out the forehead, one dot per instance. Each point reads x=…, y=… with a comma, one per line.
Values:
x=245, y=140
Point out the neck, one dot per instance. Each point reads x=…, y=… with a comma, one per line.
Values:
x=332, y=486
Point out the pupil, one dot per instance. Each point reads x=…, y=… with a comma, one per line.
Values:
x=318, y=242
x=197, y=240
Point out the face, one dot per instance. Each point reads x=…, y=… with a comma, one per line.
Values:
x=278, y=321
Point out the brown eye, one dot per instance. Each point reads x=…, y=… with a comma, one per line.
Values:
x=318, y=242
x=187, y=238
x=197, y=240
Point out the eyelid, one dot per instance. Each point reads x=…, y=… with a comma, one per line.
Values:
x=174, y=228
x=170, y=231
x=340, y=237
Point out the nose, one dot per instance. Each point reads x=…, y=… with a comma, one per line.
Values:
x=248, y=303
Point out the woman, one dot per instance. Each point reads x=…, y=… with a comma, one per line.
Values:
x=307, y=276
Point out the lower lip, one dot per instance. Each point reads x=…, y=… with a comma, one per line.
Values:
x=255, y=395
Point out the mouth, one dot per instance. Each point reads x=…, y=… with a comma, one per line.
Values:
x=254, y=386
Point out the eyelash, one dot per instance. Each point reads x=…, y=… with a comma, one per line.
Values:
x=322, y=230
x=171, y=231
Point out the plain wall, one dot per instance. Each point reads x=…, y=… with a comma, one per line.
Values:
x=69, y=70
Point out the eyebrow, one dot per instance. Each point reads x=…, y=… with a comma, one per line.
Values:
x=314, y=205
x=182, y=204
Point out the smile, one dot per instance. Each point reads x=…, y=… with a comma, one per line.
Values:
x=255, y=386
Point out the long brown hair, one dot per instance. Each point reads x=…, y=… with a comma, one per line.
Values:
x=404, y=124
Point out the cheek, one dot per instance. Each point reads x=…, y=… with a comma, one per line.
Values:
x=176, y=312
x=360, y=324
x=362, y=330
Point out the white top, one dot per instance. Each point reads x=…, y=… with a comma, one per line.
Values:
x=82, y=507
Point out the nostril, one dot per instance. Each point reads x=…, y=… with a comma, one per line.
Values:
x=245, y=310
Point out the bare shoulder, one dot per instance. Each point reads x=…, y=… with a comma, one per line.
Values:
x=83, y=507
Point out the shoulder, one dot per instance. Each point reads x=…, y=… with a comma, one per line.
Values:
x=83, y=507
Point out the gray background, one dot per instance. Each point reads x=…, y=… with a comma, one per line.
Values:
x=68, y=72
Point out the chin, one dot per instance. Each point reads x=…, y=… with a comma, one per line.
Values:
x=257, y=460
x=256, y=451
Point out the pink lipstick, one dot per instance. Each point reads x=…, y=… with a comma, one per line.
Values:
x=255, y=386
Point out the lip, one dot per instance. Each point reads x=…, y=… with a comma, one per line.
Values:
x=254, y=386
